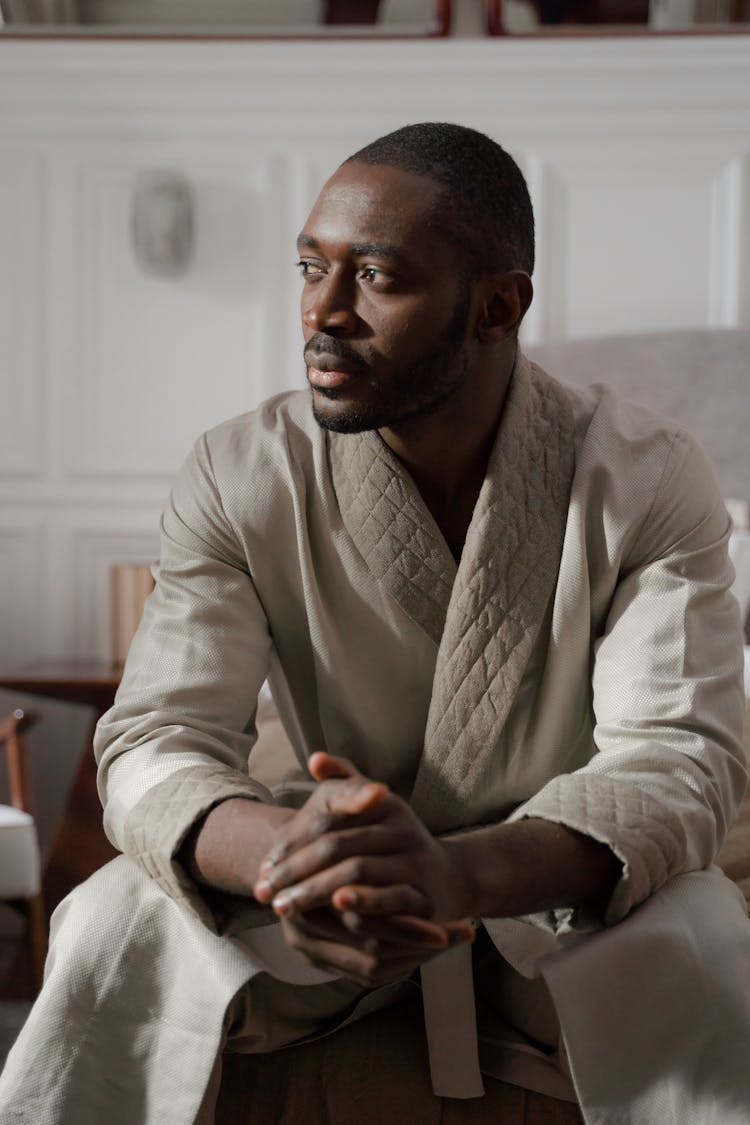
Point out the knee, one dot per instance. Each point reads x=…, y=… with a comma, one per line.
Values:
x=98, y=914
x=104, y=895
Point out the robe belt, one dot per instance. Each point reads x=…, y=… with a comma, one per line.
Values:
x=451, y=1024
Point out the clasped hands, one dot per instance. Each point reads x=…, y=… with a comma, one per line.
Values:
x=361, y=887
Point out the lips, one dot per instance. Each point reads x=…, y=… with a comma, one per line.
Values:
x=328, y=371
x=328, y=380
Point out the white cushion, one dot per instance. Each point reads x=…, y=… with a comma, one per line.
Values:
x=20, y=867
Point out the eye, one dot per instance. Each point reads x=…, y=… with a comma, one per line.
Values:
x=377, y=277
x=309, y=269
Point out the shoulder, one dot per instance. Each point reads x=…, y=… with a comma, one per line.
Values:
x=237, y=475
x=276, y=447
x=644, y=475
x=280, y=427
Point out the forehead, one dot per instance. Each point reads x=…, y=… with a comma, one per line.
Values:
x=375, y=204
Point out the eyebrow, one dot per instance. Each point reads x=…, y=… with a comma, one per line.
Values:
x=387, y=250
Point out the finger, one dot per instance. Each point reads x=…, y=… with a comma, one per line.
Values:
x=399, y=899
x=325, y=925
x=335, y=957
x=369, y=966
x=326, y=851
x=373, y=936
x=352, y=799
x=325, y=766
x=403, y=933
x=411, y=931
x=373, y=870
x=332, y=805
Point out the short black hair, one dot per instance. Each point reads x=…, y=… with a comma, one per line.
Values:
x=486, y=206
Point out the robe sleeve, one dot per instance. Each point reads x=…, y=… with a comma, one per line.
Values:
x=177, y=740
x=667, y=772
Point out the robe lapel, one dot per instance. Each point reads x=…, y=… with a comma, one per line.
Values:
x=484, y=615
x=504, y=583
x=392, y=528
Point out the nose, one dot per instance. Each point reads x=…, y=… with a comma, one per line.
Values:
x=329, y=304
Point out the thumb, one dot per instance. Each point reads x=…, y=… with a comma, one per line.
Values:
x=326, y=767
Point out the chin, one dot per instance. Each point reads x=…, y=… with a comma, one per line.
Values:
x=344, y=421
x=341, y=417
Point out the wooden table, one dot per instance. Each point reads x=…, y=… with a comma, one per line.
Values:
x=79, y=846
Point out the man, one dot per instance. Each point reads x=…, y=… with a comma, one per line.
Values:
x=494, y=615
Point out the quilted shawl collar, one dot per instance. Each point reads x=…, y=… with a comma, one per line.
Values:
x=484, y=615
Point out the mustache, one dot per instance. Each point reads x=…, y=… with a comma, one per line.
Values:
x=320, y=344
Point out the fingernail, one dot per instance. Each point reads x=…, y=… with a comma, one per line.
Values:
x=282, y=903
x=347, y=899
x=263, y=889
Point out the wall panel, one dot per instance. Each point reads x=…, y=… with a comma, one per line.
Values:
x=22, y=310
x=632, y=228
x=158, y=359
x=22, y=606
x=94, y=546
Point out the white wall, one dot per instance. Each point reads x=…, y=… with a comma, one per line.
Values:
x=638, y=156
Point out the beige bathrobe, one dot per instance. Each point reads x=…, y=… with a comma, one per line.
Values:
x=581, y=664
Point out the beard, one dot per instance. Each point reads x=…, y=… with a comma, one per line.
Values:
x=416, y=392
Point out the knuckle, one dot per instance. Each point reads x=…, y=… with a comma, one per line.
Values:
x=324, y=816
x=328, y=847
x=400, y=901
x=357, y=869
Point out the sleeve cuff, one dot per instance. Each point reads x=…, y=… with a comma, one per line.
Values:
x=648, y=839
x=158, y=824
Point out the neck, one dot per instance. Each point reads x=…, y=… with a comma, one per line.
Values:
x=447, y=452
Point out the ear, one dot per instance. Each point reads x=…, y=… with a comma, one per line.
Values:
x=507, y=296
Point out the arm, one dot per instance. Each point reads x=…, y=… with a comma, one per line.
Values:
x=177, y=741
x=667, y=772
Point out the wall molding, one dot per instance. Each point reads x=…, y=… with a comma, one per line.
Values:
x=23, y=310
x=22, y=623
x=637, y=79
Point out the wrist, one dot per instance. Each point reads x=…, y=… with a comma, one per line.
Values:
x=465, y=876
x=533, y=865
x=225, y=849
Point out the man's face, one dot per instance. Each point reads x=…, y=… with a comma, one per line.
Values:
x=385, y=310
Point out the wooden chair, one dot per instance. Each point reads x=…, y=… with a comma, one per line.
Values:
x=20, y=864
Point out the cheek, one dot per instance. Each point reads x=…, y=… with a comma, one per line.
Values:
x=406, y=338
